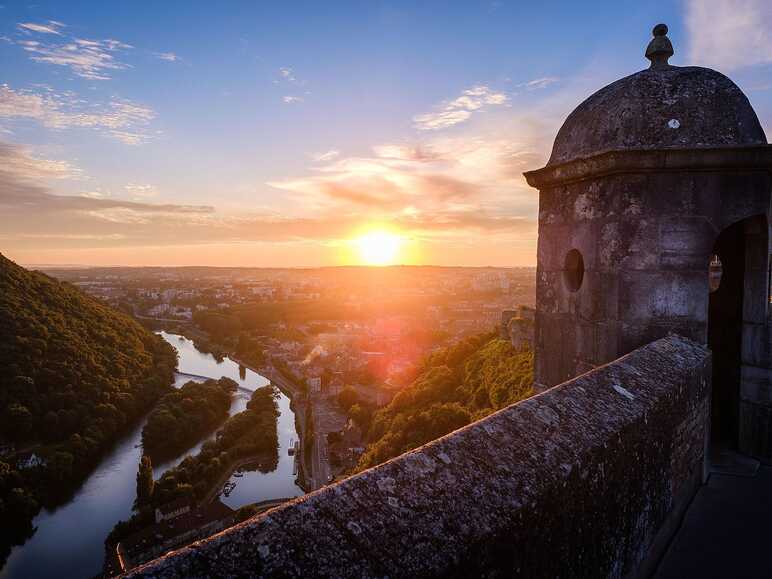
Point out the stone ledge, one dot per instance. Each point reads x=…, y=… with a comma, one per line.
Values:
x=752, y=157
x=577, y=480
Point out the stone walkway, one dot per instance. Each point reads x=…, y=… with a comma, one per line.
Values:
x=727, y=531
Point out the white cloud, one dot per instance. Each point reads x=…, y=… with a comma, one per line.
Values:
x=287, y=74
x=52, y=27
x=324, y=157
x=97, y=194
x=168, y=56
x=19, y=163
x=141, y=191
x=729, y=34
x=290, y=99
x=460, y=109
x=90, y=59
x=462, y=174
x=123, y=120
x=539, y=83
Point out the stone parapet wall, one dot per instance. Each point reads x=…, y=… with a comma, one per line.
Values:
x=586, y=479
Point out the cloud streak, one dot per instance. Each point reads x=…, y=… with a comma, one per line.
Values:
x=123, y=120
x=51, y=27
x=539, y=83
x=167, y=56
x=460, y=109
x=86, y=58
x=432, y=178
x=22, y=189
x=324, y=157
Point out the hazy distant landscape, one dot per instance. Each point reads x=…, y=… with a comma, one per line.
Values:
x=355, y=353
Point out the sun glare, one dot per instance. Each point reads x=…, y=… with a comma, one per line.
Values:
x=378, y=247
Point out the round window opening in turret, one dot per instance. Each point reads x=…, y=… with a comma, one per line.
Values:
x=714, y=273
x=573, y=270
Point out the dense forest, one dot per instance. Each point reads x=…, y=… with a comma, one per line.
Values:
x=456, y=385
x=75, y=374
x=183, y=416
x=251, y=434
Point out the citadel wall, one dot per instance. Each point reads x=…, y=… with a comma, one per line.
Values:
x=592, y=474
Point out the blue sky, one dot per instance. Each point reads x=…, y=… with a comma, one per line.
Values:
x=272, y=134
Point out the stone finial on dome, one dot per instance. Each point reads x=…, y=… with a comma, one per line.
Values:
x=659, y=49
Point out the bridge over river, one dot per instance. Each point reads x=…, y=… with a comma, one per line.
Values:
x=241, y=388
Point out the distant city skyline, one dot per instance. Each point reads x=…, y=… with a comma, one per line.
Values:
x=315, y=135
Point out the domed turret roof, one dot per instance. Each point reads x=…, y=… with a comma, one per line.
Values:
x=662, y=107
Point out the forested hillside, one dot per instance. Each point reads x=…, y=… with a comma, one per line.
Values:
x=73, y=374
x=456, y=386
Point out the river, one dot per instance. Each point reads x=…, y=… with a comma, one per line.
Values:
x=69, y=541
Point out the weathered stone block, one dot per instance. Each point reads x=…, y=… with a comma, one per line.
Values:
x=756, y=384
x=660, y=296
x=756, y=430
x=755, y=344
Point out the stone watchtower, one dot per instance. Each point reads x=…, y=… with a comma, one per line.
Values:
x=652, y=179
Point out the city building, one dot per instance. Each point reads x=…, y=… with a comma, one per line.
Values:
x=177, y=525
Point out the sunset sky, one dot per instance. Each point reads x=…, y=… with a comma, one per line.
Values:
x=312, y=133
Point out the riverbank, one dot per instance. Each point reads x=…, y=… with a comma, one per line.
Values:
x=298, y=401
x=69, y=539
x=249, y=437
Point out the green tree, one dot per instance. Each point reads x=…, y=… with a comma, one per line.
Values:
x=18, y=421
x=347, y=398
x=454, y=386
x=145, y=482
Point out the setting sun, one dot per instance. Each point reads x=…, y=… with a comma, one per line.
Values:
x=378, y=247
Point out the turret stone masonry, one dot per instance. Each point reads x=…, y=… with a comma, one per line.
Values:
x=517, y=327
x=651, y=180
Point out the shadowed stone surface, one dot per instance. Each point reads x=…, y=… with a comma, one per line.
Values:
x=587, y=478
x=726, y=530
x=669, y=107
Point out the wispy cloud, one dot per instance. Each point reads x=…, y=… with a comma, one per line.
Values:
x=288, y=76
x=90, y=59
x=539, y=83
x=138, y=191
x=167, y=56
x=460, y=109
x=51, y=27
x=324, y=157
x=290, y=82
x=22, y=189
x=463, y=173
x=18, y=164
x=729, y=34
x=123, y=120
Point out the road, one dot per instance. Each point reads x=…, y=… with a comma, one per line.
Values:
x=320, y=467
